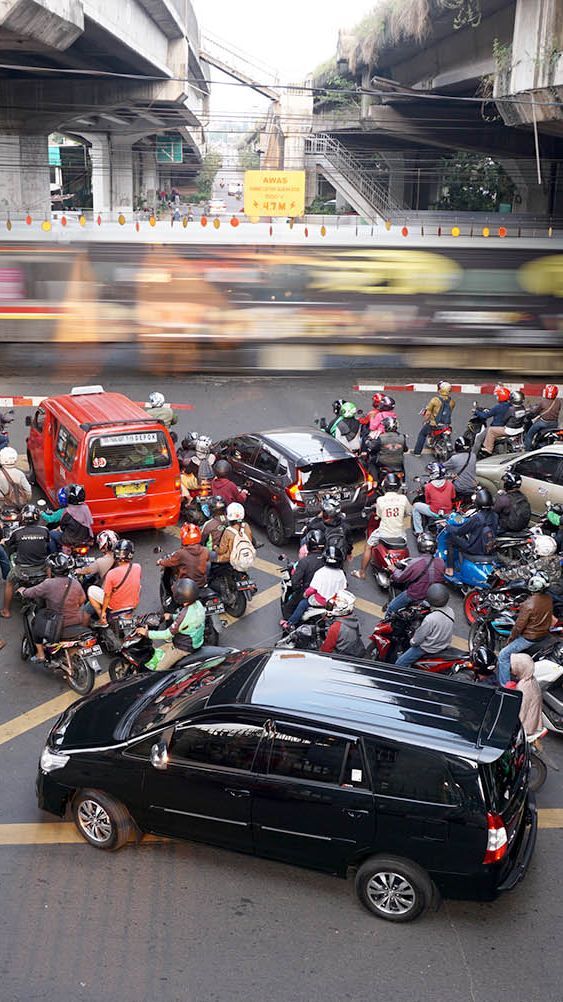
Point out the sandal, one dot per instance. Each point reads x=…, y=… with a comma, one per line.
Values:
x=358, y=574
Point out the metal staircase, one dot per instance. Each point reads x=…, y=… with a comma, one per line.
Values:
x=350, y=178
x=237, y=64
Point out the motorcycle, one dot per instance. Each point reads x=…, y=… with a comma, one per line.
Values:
x=391, y=637
x=236, y=588
x=548, y=436
x=494, y=629
x=439, y=441
x=137, y=650
x=76, y=658
x=209, y=598
x=512, y=441
x=474, y=571
x=9, y=520
x=387, y=555
x=496, y=597
x=309, y=634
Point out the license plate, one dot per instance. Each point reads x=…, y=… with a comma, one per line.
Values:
x=130, y=490
x=96, y=650
x=215, y=607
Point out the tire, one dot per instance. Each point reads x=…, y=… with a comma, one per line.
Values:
x=119, y=669
x=82, y=678
x=211, y=636
x=538, y=773
x=274, y=527
x=410, y=886
x=480, y=635
x=238, y=607
x=26, y=649
x=469, y=604
x=102, y=820
x=31, y=475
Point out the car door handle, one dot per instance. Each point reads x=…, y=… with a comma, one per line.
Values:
x=354, y=814
x=237, y=793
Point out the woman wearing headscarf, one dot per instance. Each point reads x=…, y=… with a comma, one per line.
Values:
x=522, y=671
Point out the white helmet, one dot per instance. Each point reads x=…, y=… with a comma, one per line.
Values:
x=545, y=546
x=203, y=445
x=342, y=604
x=444, y=386
x=8, y=456
x=156, y=399
x=538, y=582
x=107, y=539
x=235, y=512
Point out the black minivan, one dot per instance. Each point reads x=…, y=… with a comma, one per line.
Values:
x=417, y=783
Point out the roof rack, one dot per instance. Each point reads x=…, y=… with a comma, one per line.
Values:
x=89, y=425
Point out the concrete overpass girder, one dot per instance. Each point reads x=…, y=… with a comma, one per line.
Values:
x=54, y=23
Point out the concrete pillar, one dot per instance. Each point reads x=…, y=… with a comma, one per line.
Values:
x=101, y=173
x=396, y=163
x=121, y=175
x=149, y=178
x=112, y=173
x=24, y=176
x=311, y=185
x=365, y=99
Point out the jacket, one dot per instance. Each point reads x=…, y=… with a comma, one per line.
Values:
x=338, y=533
x=547, y=410
x=190, y=562
x=228, y=490
x=187, y=631
x=439, y=409
x=343, y=637
x=435, y=631
x=227, y=542
x=419, y=574
x=388, y=450
x=304, y=571
x=498, y=413
x=462, y=465
x=534, y=618
x=440, y=496
x=473, y=531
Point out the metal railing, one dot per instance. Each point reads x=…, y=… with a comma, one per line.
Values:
x=353, y=170
x=236, y=59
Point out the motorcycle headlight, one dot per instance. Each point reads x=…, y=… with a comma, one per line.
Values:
x=51, y=760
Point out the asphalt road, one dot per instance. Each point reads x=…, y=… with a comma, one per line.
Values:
x=192, y=923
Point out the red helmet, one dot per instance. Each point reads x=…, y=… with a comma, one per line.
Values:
x=376, y=399
x=550, y=391
x=502, y=393
x=190, y=533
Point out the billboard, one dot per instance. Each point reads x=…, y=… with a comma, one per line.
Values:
x=274, y=193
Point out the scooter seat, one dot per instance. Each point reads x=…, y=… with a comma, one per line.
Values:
x=480, y=558
x=396, y=543
x=447, y=652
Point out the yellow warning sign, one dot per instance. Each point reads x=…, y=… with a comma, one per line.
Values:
x=274, y=193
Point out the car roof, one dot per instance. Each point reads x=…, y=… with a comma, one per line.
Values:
x=442, y=714
x=90, y=410
x=305, y=445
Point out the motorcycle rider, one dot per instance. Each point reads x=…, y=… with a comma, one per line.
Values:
x=203, y=459
x=511, y=505
x=122, y=585
x=383, y=407
x=192, y=559
x=439, y=495
x=437, y=413
x=476, y=536
x=185, y=635
x=186, y=452
x=15, y=488
x=436, y=630
x=76, y=524
x=545, y=415
x=53, y=518
x=325, y=583
x=419, y=574
x=498, y=413
x=222, y=485
x=107, y=541
x=392, y=509
x=61, y=592
x=29, y=547
x=544, y=561
x=514, y=419
x=533, y=623
x=333, y=525
x=461, y=467
x=345, y=427
x=212, y=530
x=343, y=635
x=236, y=526
x=386, y=453
x=158, y=409
x=306, y=566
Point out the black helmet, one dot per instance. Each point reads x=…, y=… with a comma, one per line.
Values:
x=438, y=595
x=60, y=564
x=391, y=482
x=337, y=405
x=185, y=591
x=222, y=468
x=390, y=424
x=511, y=481
x=314, y=540
x=330, y=508
x=462, y=444
x=216, y=504
x=124, y=550
x=426, y=543
x=76, y=494
x=484, y=498
x=483, y=660
x=517, y=397
x=437, y=471
x=333, y=556
x=30, y=513
x=386, y=403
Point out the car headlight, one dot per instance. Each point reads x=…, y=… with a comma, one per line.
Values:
x=51, y=760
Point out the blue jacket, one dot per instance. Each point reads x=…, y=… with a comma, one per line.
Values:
x=498, y=413
x=472, y=530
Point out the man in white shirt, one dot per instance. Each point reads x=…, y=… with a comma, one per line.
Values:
x=393, y=510
x=325, y=583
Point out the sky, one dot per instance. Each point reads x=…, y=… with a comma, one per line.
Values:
x=292, y=36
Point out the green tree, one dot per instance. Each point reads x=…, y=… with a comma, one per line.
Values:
x=474, y=183
x=211, y=163
x=248, y=158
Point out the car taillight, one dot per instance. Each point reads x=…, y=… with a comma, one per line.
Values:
x=497, y=839
x=294, y=492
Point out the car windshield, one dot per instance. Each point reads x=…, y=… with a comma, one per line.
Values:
x=142, y=450
x=339, y=473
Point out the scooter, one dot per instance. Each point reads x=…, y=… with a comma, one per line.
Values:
x=439, y=441
x=391, y=637
x=512, y=441
x=387, y=555
x=474, y=571
x=76, y=658
x=209, y=598
x=137, y=650
x=309, y=634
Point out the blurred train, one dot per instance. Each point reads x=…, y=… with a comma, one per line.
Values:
x=186, y=307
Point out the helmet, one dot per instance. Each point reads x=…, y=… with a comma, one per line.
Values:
x=333, y=556
x=156, y=399
x=235, y=512
x=483, y=660
x=511, y=481
x=390, y=424
x=124, y=549
x=189, y=441
x=342, y=604
x=76, y=494
x=60, y=564
x=550, y=391
x=30, y=513
x=437, y=471
x=62, y=497
x=337, y=406
x=438, y=595
x=484, y=498
x=462, y=444
x=222, y=468
x=538, y=582
x=203, y=445
x=443, y=386
x=391, y=482
x=8, y=456
x=545, y=546
x=502, y=393
x=376, y=399
x=185, y=591
x=330, y=507
x=314, y=540
x=189, y=534
x=426, y=543
x=386, y=403
x=348, y=409
x=216, y=504
x=517, y=397
x=107, y=540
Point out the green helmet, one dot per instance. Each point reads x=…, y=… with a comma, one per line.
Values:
x=348, y=409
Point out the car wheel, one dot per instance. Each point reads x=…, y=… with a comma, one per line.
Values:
x=102, y=820
x=393, y=889
x=274, y=527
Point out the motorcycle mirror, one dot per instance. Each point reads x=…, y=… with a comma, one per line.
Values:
x=157, y=549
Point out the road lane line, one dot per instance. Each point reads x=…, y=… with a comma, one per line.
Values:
x=45, y=711
x=551, y=817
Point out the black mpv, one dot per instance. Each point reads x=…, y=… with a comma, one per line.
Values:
x=417, y=783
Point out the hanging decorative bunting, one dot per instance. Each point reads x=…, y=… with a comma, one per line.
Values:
x=388, y=224
x=63, y=220
x=216, y=223
x=28, y=219
x=323, y=230
x=8, y=224
x=485, y=231
x=152, y=221
x=99, y=220
x=82, y=220
x=185, y=222
x=234, y=221
x=502, y=231
x=121, y=219
x=46, y=225
x=137, y=227
x=405, y=231
x=455, y=231
x=203, y=220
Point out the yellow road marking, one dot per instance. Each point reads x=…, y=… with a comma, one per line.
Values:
x=551, y=817
x=46, y=711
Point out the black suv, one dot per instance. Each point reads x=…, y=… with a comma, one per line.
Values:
x=287, y=473
x=418, y=783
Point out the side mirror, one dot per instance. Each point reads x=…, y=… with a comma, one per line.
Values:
x=28, y=421
x=159, y=755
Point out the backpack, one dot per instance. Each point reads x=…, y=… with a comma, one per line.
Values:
x=243, y=553
x=515, y=418
x=444, y=415
x=17, y=494
x=489, y=539
x=518, y=515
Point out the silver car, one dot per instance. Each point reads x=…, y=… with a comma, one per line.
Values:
x=541, y=472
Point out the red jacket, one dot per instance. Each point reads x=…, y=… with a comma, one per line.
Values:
x=228, y=490
x=440, y=498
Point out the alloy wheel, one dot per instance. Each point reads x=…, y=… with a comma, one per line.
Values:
x=391, y=893
x=94, y=821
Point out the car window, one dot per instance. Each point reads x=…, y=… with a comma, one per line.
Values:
x=266, y=461
x=244, y=448
x=39, y=419
x=406, y=773
x=339, y=473
x=146, y=450
x=225, y=744
x=541, y=467
x=306, y=755
x=65, y=448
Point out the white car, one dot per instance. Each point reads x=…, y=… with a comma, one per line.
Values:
x=541, y=472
